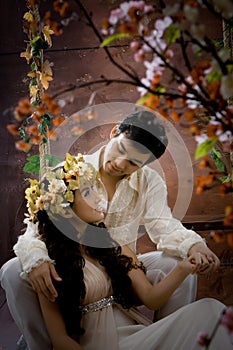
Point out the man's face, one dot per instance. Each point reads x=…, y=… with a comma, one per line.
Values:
x=121, y=157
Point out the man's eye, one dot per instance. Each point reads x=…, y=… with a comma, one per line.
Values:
x=132, y=163
x=121, y=151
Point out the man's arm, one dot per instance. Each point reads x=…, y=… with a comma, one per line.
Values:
x=167, y=232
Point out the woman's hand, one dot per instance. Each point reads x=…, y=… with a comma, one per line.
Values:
x=41, y=280
x=188, y=265
x=205, y=260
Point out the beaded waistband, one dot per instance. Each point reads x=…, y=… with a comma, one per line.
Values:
x=98, y=305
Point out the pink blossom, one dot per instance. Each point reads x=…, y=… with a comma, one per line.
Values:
x=115, y=16
x=148, y=8
x=203, y=338
x=139, y=56
x=135, y=45
x=169, y=54
x=227, y=319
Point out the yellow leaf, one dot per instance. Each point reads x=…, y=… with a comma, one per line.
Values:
x=27, y=54
x=47, y=34
x=45, y=78
x=33, y=91
x=28, y=16
x=31, y=74
x=46, y=68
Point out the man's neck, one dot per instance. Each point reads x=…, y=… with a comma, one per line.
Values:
x=108, y=180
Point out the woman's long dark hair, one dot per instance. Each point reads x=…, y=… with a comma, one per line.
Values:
x=70, y=262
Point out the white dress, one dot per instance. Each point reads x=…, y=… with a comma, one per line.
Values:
x=112, y=328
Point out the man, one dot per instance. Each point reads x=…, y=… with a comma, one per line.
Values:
x=133, y=194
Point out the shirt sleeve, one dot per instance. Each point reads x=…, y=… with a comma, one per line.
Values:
x=30, y=250
x=166, y=231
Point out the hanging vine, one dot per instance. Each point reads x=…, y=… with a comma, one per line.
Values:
x=36, y=116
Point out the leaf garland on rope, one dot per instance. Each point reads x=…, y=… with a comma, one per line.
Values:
x=36, y=116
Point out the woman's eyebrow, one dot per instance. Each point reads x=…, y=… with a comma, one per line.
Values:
x=84, y=188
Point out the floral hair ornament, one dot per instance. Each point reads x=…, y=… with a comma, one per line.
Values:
x=55, y=192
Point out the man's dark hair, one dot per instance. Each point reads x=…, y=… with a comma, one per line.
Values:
x=147, y=130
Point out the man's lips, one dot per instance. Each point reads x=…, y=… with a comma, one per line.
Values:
x=112, y=168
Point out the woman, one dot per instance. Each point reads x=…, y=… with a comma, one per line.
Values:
x=101, y=281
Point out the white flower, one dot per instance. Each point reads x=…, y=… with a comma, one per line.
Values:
x=198, y=31
x=141, y=89
x=171, y=10
x=225, y=6
x=226, y=88
x=191, y=13
x=56, y=186
x=226, y=136
x=201, y=138
x=162, y=24
x=86, y=171
x=224, y=54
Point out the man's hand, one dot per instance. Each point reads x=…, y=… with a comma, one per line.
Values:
x=41, y=279
x=204, y=259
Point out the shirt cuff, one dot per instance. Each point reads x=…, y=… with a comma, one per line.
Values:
x=187, y=244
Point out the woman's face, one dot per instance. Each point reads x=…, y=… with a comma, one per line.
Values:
x=87, y=204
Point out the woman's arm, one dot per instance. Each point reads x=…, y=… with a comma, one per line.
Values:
x=56, y=326
x=154, y=297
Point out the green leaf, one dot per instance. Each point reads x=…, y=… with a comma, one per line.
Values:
x=32, y=83
x=35, y=103
x=53, y=160
x=33, y=165
x=22, y=133
x=205, y=147
x=46, y=119
x=172, y=33
x=113, y=37
x=213, y=76
x=226, y=178
x=217, y=157
x=142, y=99
x=160, y=89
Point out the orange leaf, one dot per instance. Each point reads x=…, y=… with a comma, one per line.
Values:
x=52, y=134
x=22, y=146
x=189, y=115
x=35, y=140
x=58, y=120
x=33, y=130
x=175, y=116
x=13, y=129
x=230, y=240
x=218, y=237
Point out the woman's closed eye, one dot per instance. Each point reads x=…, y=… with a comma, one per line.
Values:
x=87, y=191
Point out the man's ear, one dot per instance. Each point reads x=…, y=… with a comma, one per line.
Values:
x=114, y=131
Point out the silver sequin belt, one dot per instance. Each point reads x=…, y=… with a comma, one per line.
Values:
x=98, y=305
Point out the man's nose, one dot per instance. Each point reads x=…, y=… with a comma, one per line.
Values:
x=121, y=163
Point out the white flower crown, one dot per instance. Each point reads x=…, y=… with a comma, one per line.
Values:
x=55, y=192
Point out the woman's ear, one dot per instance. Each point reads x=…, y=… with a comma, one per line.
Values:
x=114, y=131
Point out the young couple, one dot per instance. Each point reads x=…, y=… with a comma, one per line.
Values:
x=129, y=194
